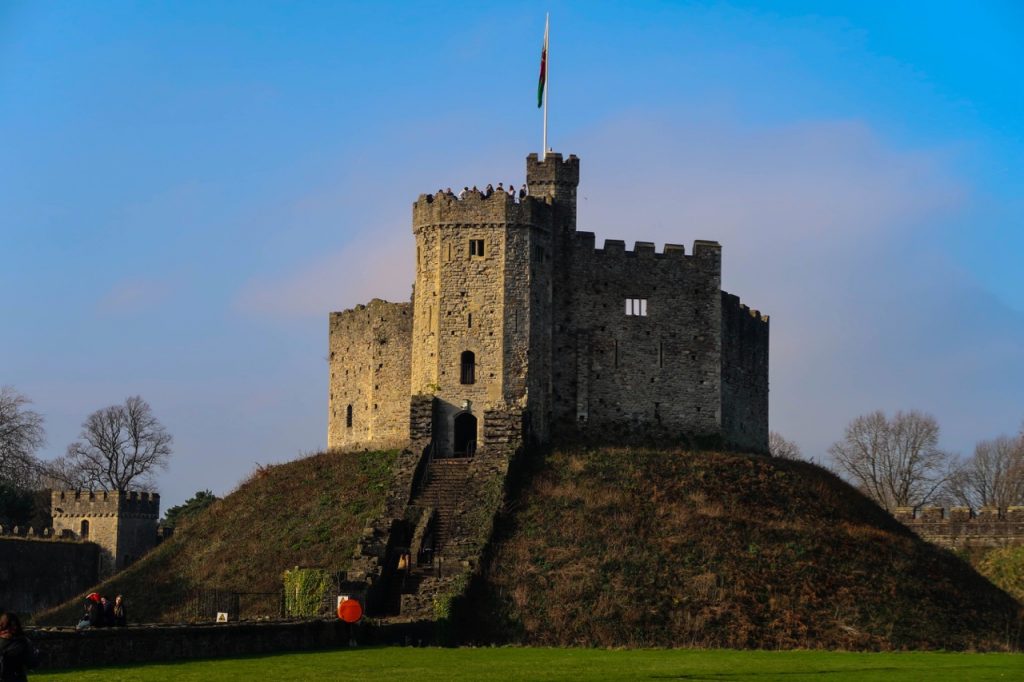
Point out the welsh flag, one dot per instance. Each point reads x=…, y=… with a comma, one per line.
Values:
x=543, y=67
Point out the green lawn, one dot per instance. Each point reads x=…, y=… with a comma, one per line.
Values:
x=449, y=665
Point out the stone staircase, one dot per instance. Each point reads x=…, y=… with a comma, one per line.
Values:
x=443, y=492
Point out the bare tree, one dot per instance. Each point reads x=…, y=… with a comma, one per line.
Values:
x=993, y=476
x=121, y=446
x=897, y=461
x=62, y=473
x=21, y=434
x=780, y=447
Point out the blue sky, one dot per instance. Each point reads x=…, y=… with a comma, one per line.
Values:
x=187, y=189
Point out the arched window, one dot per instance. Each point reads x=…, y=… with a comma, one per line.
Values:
x=85, y=529
x=348, y=417
x=468, y=375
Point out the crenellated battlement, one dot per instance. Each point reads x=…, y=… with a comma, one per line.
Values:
x=498, y=210
x=702, y=248
x=553, y=170
x=30, y=533
x=88, y=503
x=965, y=527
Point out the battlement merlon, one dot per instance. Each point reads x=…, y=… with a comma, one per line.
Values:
x=498, y=210
x=105, y=503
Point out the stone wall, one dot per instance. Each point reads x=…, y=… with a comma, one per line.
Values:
x=744, y=376
x=37, y=573
x=473, y=294
x=650, y=375
x=962, y=527
x=123, y=524
x=68, y=648
x=369, y=363
x=542, y=313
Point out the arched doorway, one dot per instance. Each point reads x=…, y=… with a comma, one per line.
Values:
x=465, y=435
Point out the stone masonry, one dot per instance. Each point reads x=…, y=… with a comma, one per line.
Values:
x=521, y=330
x=517, y=314
x=966, y=528
x=123, y=524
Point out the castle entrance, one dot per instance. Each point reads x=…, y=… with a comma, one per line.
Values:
x=465, y=435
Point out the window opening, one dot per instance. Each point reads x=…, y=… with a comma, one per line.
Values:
x=476, y=247
x=636, y=307
x=348, y=417
x=469, y=320
x=661, y=354
x=538, y=253
x=468, y=374
x=616, y=343
x=85, y=529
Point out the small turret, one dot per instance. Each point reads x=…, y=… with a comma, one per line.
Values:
x=556, y=180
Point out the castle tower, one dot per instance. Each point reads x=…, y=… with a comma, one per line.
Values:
x=123, y=524
x=482, y=308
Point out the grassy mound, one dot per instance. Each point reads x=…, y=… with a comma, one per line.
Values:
x=633, y=547
x=309, y=512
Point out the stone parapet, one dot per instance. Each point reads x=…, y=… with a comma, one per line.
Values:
x=960, y=527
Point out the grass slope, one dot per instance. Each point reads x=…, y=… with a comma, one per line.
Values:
x=636, y=547
x=309, y=512
x=501, y=664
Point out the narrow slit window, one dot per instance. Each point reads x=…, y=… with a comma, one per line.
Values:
x=348, y=417
x=468, y=373
x=469, y=320
x=661, y=354
x=476, y=247
x=616, y=351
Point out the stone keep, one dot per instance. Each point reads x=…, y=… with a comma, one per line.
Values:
x=521, y=329
x=123, y=524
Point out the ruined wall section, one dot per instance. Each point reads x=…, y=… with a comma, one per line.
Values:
x=646, y=376
x=468, y=300
x=744, y=376
x=370, y=355
x=123, y=524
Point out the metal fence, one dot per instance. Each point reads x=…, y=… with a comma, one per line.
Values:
x=204, y=605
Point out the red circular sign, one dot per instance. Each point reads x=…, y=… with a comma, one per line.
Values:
x=350, y=611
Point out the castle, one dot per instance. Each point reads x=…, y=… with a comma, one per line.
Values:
x=123, y=524
x=521, y=330
x=94, y=535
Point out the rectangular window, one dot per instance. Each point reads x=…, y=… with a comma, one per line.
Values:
x=636, y=307
x=538, y=253
x=476, y=247
x=616, y=351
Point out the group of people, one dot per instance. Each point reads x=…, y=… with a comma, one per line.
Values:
x=17, y=654
x=100, y=612
x=488, y=191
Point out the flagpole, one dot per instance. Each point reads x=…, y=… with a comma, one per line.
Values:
x=547, y=72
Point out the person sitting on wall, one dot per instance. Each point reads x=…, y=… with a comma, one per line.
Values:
x=93, y=617
x=489, y=191
x=120, y=612
x=522, y=192
x=16, y=651
x=464, y=192
x=108, y=612
x=501, y=188
x=512, y=190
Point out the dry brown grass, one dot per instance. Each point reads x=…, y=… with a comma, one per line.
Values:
x=308, y=512
x=634, y=547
